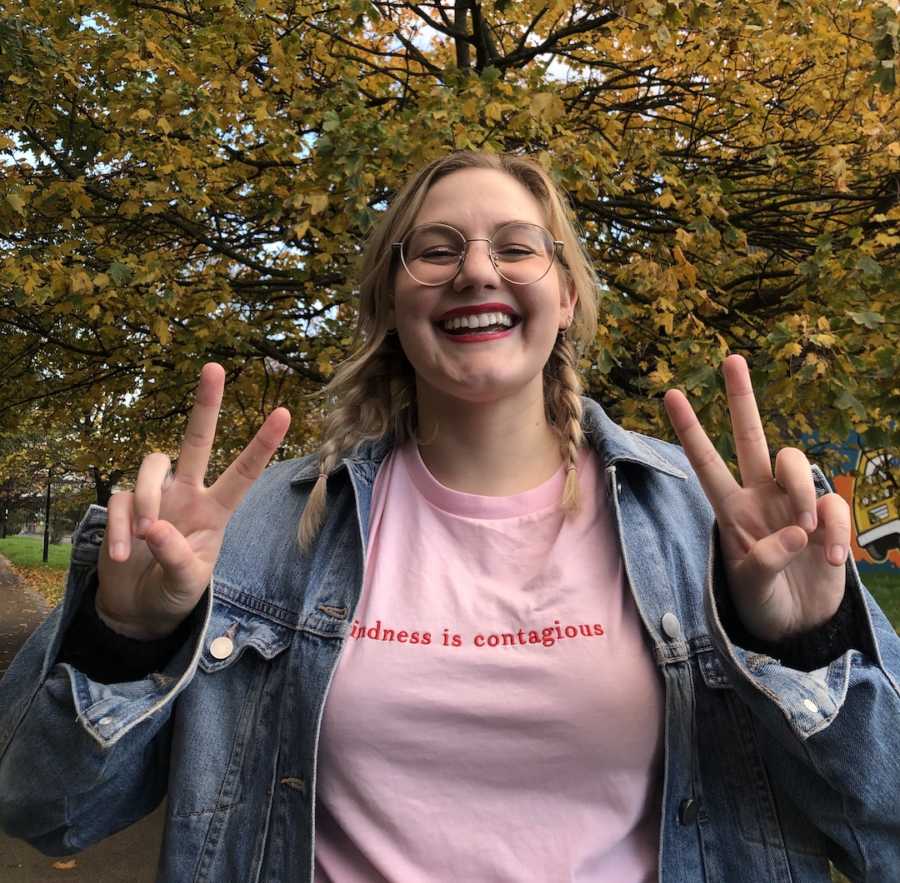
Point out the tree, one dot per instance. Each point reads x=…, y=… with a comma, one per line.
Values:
x=193, y=180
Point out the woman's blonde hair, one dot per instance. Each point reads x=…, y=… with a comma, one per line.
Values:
x=373, y=392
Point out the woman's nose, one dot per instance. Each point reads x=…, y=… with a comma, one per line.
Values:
x=477, y=267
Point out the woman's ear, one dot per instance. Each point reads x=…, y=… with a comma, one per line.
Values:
x=568, y=298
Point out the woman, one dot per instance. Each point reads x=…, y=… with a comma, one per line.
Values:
x=513, y=641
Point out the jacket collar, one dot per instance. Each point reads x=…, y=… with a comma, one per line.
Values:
x=612, y=443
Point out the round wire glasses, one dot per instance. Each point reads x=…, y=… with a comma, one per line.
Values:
x=521, y=253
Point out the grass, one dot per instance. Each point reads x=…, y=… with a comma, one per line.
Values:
x=26, y=553
x=885, y=587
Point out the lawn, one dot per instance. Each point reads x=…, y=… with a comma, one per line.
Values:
x=25, y=554
x=885, y=587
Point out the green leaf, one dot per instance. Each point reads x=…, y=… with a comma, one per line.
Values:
x=702, y=377
x=867, y=318
x=869, y=267
x=846, y=401
x=119, y=273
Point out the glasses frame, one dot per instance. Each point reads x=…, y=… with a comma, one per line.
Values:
x=555, y=254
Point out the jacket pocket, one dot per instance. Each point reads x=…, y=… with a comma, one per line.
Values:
x=225, y=728
x=234, y=631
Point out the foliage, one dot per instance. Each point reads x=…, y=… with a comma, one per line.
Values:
x=193, y=180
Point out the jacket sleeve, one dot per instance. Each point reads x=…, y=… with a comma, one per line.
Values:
x=79, y=758
x=830, y=734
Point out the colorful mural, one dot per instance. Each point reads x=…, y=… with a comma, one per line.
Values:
x=873, y=491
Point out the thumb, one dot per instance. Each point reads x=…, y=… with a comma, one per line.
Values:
x=771, y=555
x=180, y=565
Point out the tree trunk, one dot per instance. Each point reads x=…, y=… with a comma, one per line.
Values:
x=104, y=485
x=47, y=516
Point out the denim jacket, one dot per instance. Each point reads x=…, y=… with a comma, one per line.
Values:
x=768, y=769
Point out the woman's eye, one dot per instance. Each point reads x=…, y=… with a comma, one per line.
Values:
x=440, y=254
x=515, y=251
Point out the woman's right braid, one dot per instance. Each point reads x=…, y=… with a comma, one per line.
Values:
x=563, y=392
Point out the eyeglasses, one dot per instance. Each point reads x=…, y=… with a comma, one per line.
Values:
x=433, y=254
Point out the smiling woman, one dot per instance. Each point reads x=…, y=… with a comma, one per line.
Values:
x=512, y=640
x=470, y=234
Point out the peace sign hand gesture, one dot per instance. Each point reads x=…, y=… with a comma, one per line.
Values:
x=162, y=540
x=784, y=550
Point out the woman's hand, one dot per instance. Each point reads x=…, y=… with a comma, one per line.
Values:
x=784, y=550
x=162, y=539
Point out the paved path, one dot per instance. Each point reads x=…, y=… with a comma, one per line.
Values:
x=21, y=610
x=127, y=857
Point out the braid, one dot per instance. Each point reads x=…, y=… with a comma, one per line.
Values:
x=562, y=395
x=376, y=397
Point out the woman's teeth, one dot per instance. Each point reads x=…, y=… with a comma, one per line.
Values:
x=479, y=320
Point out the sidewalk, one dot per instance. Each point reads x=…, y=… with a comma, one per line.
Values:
x=127, y=857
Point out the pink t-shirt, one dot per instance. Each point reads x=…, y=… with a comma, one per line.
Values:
x=495, y=714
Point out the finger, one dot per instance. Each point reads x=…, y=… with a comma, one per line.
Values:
x=770, y=555
x=175, y=556
x=793, y=474
x=834, y=519
x=119, y=519
x=717, y=482
x=236, y=480
x=753, y=459
x=196, y=446
x=148, y=490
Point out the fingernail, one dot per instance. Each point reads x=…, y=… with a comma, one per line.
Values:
x=119, y=551
x=838, y=554
x=143, y=526
x=807, y=522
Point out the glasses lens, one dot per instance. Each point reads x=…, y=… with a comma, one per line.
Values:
x=431, y=254
x=523, y=252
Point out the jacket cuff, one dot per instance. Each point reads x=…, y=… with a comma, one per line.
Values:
x=107, y=657
x=804, y=652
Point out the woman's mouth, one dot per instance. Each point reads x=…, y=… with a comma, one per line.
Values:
x=479, y=326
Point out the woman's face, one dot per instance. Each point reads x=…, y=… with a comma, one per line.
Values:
x=471, y=366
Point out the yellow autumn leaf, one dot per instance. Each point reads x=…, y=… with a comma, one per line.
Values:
x=161, y=330
x=662, y=374
x=80, y=283
x=789, y=351
x=15, y=200
x=317, y=202
x=493, y=111
x=666, y=199
x=665, y=321
x=547, y=106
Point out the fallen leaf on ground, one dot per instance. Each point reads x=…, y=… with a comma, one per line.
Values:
x=65, y=866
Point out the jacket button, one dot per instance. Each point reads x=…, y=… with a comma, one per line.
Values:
x=670, y=625
x=688, y=811
x=221, y=647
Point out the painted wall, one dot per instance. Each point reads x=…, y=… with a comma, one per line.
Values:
x=880, y=517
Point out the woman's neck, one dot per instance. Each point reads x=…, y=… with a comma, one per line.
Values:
x=494, y=449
